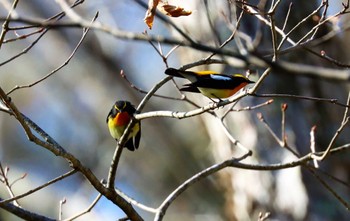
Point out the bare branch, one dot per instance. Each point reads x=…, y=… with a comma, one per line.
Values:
x=249, y=108
x=188, y=183
x=235, y=163
x=281, y=142
x=329, y=188
x=6, y=23
x=317, y=99
x=24, y=214
x=331, y=143
x=316, y=11
x=3, y=173
x=136, y=203
x=313, y=144
x=44, y=31
x=39, y=187
x=62, y=202
x=283, y=124
x=123, y=75
x=66, y=62
x=91, y=206
x=247, y=151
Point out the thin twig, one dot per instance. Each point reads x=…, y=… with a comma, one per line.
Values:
x=235, y=163
x=331, y=176
x=330, y=189
x=18, y=179
x=313, y=144
x=136, y=203
x=87, y=210
x=57, y=17
x=271, y=14
x=123, y=75
x=24, y=214
x=66, y=62
x=259, y=81
x=71, y=172
x=229, y=110
x=233, y=140
x=5, y=25
x=171, y=51
x=334, y=138
x=260, y=116
x=231, y=37
x=249, y=108
x=283, y=124
x=323, y=16
x=318, y=99
x=213, y=30
x=286, y=36
x=316, y=27
x=287, y=16
x=188, y=183
x=274, y=135
x=60, y=213
x=3, y=172
x=344, y=122
x=346, y=112
x=24, y=51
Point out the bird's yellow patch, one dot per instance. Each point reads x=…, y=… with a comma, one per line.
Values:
x=206, y=72
x=117, y=131
x=118, y=124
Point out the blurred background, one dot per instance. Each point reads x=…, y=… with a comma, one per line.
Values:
x=72, y=106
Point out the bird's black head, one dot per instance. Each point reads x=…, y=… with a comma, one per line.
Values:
x=121, y=106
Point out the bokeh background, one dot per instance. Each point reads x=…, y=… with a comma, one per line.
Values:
x=72, y=106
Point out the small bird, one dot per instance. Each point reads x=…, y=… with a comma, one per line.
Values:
x=118, y=119
x=210, y=83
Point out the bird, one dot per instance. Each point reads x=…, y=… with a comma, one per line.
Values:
x=118, y=119
x=210, y=83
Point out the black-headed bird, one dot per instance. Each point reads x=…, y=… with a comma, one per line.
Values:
x=118, y=119
x=211, y=83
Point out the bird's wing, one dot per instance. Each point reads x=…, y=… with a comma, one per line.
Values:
x=190, y=88
x=216, y=81
x=137, y=137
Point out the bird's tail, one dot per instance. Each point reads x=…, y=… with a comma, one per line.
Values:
x=190, y=88
x=174, y=72
x=190, y=75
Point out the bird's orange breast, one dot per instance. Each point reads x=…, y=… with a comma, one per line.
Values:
x=121, y=119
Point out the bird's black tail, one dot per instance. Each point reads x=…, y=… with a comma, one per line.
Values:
x=190, y=88
x=174, y=72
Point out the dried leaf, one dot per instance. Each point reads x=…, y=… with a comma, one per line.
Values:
x=173, y=10
x=151, y=11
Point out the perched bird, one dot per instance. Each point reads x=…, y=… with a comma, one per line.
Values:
x=210, y=83
x=118, y=119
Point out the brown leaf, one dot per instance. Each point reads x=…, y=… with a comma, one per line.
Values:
x=173, y=10
x=151, y=11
